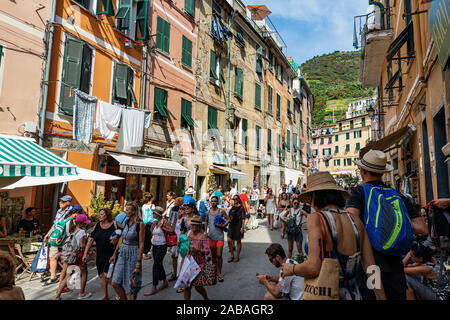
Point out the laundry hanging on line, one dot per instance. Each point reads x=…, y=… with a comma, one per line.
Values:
x=131, y=134
x=107, y=120
x=83, y=116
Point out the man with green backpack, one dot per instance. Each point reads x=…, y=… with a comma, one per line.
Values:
x=55, y=235
x=390, y=221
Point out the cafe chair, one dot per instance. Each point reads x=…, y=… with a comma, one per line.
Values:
x=25, y=261
x=8, y=246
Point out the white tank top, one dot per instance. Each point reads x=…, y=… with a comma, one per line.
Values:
x=158, y=237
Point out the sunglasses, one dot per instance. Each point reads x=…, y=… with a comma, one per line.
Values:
x=296, y=202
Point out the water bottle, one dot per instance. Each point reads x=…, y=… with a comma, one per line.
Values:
x=110, y=270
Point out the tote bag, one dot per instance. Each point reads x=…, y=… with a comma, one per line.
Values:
x=40, y=262
x=326, y=285
x=188, y=272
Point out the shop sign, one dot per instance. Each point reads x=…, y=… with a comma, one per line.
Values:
x=439, y=19
x=153, y=171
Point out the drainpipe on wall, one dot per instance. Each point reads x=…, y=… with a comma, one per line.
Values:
x=47, y=74
x=417, y=40
x=144, y=76
x=228, y=85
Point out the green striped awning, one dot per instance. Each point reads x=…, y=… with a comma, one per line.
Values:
x=20, y=157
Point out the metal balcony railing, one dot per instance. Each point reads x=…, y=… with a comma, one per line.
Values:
x=377, y=20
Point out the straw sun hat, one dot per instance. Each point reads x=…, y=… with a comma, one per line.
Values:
x=321, y=180
x=374, y=161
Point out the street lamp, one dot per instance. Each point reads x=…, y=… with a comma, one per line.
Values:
x=371, y=111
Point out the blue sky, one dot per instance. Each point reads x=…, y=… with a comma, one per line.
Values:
x=315, y=27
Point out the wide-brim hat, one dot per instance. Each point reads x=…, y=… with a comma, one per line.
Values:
x=446, y=151
x=158, y=211
x=196, y=220
x=190, y=191
x=374, y=161
x=318, y=181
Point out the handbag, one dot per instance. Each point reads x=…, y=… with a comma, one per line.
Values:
x=171, y=239
x=189, y=270
x=326, y=285
x=40, y=262
x=207, y=276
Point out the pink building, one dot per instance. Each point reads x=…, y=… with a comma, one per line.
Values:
x=322, y=147
x=171, y=81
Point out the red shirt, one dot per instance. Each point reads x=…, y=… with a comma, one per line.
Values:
x=244, y=200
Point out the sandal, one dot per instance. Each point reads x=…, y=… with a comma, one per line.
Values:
x=230, y=260
x=236, y=259
x=172, y=278
x=181, y=290
x=50, y=281
x=220, y=278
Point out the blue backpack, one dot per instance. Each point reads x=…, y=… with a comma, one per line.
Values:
x=387, y=220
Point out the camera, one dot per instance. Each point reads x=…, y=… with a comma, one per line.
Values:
x=306, y=208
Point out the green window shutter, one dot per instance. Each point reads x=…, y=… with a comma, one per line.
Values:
x=347, y=147
x=270, y=61
x=186, y=114
x=212, y=65
x=1, y=55
x=186, y=55
x=336, y=149
x=123, y=14
x=336, y=137
x=159, y=102
x=257, y=96
x=340, y=126
x=269, y=140
x=84, y=3
x=244, y=131
x=73, y=54
x=258, y=137
x=351, y=124
x=189, y=6
x=120, y=82
x=363, y=122
x=238, y=82
x=358, y=146
x=142, y=20
x=107, y=6
x=288, y=140
x=212, y=118
x=159, y=32
x=166, y=37
x=347, y=136
x=278, y=107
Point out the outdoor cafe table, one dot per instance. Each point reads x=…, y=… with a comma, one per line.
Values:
x=28, y=244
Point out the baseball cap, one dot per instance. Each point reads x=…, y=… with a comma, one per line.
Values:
x=78, y=208
x=82, y=218
x=66, y=198
x=254, y=185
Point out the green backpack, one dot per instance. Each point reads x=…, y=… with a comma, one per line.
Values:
x=183, y=247
x=58, y=235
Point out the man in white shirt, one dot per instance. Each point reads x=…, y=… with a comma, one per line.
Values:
x=233, y=190
x=254, y=197
x=281, y=288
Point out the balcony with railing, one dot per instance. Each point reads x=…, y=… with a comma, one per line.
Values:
x=373, y=35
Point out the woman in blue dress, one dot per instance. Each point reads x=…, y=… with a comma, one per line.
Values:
x=130, y=253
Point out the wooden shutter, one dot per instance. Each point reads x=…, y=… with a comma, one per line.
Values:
x=142, y=20
x=244, y=131
x=108, y=7
x=278, y=106
x=120, y=81
x=71, y=78
x=239, y=82
x=212, y=65
x=257, y=96
x=269, y=140
x=85, y=80
x=186, y=54
x=189, y=6
x=166, y=37
x=159, y=32
x=123, y=15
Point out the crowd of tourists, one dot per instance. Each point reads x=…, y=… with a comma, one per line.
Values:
x=367, y=242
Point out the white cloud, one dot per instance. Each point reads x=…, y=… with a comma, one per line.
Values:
x=329, y=24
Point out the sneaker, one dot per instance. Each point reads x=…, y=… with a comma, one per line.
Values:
x=66, y=290
x=85, y=295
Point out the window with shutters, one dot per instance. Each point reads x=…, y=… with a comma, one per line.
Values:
x=124, y=19
x=336, y=149
x=240, y=36
x=257, y=96
x=278, y=107
x=1, y=55
x=270, y=61
x=363, y=122
x=123, y=81
x=294, y=142
x=142, y=30
x=186, y=53
x=84, y=3
x=340, y=126
x=270, y=100
x=186, y=114
x=76, y=73
x=163, y=35
x=347, y=148
x=243, y=136
x=258, y=137
x=347, y=135
x=321, y=140
x=215, y=69
x=351, y=124
x=314, y=141
x=330, y=140
x=288, y=140
x=358, y=146
x=189, y=7
x=327, y=163
x=238, y=82
x=161, y=110
x=105, y=7
x=269, y=141
x=212, y=118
